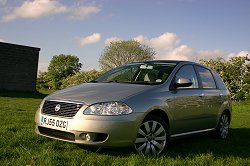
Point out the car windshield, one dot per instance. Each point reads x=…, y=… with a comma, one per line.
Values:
x=139, y=73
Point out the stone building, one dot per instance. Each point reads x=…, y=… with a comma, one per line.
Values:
x=18, y=67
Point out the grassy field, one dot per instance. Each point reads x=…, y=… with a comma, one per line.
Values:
x=20, y=145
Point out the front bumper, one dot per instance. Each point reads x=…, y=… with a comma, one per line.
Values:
x=109, y=131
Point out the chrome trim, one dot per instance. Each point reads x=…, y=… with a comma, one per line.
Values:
x=192, y=132
x=67, y=101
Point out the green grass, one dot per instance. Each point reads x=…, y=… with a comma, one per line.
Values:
x=20, y=145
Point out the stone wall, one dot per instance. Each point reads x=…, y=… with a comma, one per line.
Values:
x=18, y=67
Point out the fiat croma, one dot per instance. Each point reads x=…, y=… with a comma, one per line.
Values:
x=142, y=104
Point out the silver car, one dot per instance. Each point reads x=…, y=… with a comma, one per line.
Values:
x=143, y=104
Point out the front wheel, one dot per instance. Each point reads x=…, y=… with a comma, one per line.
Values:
x=152, y=136
x=223, y=126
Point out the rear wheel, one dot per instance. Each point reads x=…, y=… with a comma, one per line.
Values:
x=223, y=126
x=152, y=136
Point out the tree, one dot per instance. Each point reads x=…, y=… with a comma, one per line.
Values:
x=235, y=73
x=121, y=52
x=62, y=66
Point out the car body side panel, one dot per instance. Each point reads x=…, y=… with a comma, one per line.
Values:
x=158, y=98
x=188, y=111
x=213, y=101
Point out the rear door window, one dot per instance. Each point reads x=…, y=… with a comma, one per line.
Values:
x=206, y=77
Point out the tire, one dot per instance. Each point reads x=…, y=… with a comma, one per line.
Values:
x=152, y=136
x=223, y=126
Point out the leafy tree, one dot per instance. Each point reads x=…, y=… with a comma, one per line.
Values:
x=62, y=66
x=235, y=73
x=121, y=52
x=81, y=77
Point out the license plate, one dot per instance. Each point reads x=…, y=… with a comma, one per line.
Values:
x=54, y=122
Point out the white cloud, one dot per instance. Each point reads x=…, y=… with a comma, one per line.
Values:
x=239, y=54
x=35, y=9
x=182, y=52
x=79, y=13
x=167, y=46
x=39, y=8
x=141, y=39
x=94, y=38
x=211, y=54
x=165, y=41
x=112, y=39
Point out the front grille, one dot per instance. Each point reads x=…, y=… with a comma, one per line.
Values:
x=66, y=109
x=57, y=133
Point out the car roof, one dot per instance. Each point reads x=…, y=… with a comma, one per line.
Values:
x=161, y=61
x=168, y=61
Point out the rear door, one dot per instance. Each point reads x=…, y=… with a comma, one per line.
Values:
x=212, y=96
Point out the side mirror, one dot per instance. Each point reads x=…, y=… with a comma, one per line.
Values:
x=182, y=82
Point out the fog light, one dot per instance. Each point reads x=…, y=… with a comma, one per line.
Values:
x=88, y=136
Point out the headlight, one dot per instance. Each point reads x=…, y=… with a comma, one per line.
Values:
x=108, y=108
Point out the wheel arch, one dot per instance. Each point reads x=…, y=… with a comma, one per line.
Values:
x=228, y=113
x=160, y=113
x=147, y=134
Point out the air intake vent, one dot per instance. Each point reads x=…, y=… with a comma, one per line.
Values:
x=57, y=134
x=58, y=108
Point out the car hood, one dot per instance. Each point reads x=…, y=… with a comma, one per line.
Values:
x=91, y=93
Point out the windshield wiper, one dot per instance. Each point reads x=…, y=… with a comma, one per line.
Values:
x=116, y=81
x=144, y=82
x=128, y=82
x=93, y=81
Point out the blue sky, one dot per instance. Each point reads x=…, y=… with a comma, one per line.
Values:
x=176, y=29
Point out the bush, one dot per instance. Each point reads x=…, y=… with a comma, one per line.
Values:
x=235, y=73
x=81, y=77
x=43, y=81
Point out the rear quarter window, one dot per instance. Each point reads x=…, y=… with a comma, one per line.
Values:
x=219, y=82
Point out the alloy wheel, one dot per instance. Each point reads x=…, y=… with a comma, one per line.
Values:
x=223, y=126
x=152, y=137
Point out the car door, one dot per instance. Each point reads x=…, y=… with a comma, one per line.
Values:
x=212, y=97
x=188, y=103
